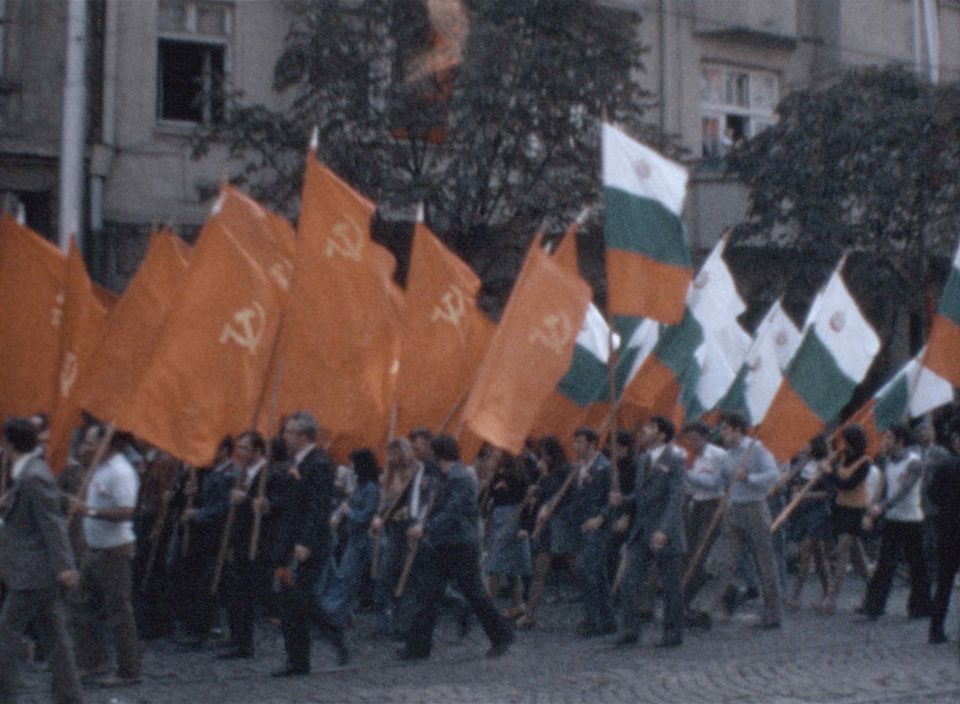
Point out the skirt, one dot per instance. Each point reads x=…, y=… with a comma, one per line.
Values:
x=506, y=554
x=848, y=520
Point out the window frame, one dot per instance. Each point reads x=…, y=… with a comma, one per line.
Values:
x=718, y=107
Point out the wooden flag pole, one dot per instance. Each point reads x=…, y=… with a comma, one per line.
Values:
x=714, y=524
x=548, y=508
x=412, y=553
x=614, y=421
x=265, y=470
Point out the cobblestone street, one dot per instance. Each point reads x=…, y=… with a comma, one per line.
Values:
x=814, y=658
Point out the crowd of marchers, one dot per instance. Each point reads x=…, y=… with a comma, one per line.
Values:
x=125, y=544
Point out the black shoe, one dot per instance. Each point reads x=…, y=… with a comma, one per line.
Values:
x=862, y=611
x=731, y=600
x=290, y=671
x=192, y=645
x=407, y=654
x=750, y=594
x=937, y=637
x=498, y=649
x=646, y=617
x=343, y=656
x=670, y=642
x=463, y=625
x=236, y=654
x=767, y=625
x=626, y=640
x=699, y=619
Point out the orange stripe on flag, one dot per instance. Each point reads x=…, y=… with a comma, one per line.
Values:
x=943, y=349
x=650, y=384
x=641, y=286
x=789, y=424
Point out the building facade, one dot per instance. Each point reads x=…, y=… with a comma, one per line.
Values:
x=719, y=68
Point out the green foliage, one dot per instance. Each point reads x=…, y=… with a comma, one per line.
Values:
x=522, y=139
x=868, y=165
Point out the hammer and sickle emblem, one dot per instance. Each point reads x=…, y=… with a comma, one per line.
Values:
x=280, y=273
x=452, y=308
x=68, y=373
x=250, y=324
x=554, y=333
x=56, y=313
x=346, y=239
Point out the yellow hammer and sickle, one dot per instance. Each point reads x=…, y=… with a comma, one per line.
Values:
x=554, y=333
x=280, y=272
x=251, y=323
x=346, y=239
x=56, y=313
x=452, y=308
x=68, y=373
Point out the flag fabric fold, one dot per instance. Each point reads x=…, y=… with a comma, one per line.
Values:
x=943, y=343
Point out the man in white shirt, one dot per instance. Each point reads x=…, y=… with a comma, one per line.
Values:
x=105, y=573
x=702, y=502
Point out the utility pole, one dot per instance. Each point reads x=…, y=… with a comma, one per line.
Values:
x=74, y=129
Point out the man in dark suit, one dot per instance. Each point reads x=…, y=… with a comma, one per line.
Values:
x=656, y=536
x=449, y=552
x=303, y=536
x=35, y=560
x=248, y=581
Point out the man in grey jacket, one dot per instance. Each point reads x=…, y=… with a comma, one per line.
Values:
x=35, y=561
x=656, y=536
x=747, y=472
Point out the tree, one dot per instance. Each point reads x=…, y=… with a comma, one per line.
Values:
x=507, y=137
x=868, y=165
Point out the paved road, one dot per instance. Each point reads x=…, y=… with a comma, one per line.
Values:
x=814, y=658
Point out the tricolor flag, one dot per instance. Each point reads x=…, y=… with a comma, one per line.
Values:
x=648, y=260
x=758, y=379
x=695, y=362
x=943, y=345
x=836, y=351
x=912, y=392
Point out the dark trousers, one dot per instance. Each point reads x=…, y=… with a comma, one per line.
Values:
x=594, y=581
x=948, y=562
x=640, y=559
x=434, y=568
x=296, y=612
x=45, y=609
x=245, y=587
x=896, y=538
x=105, y=593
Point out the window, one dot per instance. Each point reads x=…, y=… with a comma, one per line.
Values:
x=735, y=104
x=192, y=56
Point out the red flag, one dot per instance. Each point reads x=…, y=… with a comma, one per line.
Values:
x=133, y=328
x=207, y=372
x=529, y=352
x=32, y=295
x=340, y=342
x=444, y=335
x=83, y=318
